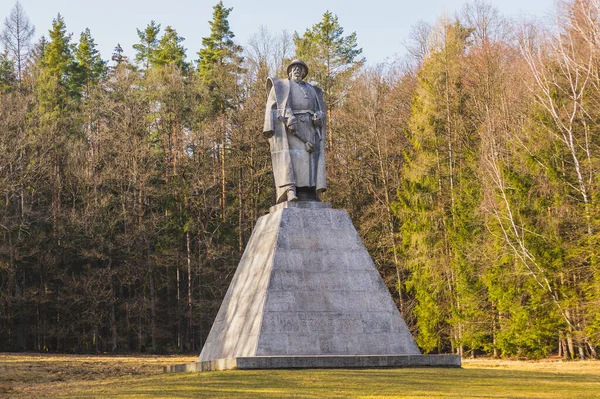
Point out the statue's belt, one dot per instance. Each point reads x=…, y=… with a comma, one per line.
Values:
x=282, y=112
x=302, y=111
x=304, y=115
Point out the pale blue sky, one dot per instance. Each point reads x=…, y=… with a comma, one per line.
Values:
x=382, y=26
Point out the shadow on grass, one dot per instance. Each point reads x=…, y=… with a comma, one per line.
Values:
x=380, y=383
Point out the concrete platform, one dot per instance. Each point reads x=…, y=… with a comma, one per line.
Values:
x=318, y=362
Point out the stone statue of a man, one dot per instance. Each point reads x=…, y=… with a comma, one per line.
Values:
x=295, y=125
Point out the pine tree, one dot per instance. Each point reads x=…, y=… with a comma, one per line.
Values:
x=169, y=50
x=117, y=55
x=219, y=71
x=147, y=45
x=56, y=83
x=89, y=67
x=219, y=48
x=331, y=56
x=220, y=61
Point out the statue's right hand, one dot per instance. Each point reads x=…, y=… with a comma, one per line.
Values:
x=291, y=123
x=268, y=134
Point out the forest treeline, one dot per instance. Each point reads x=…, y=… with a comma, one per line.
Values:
x=129, y=188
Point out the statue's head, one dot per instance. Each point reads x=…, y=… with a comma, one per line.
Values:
x=297, y=70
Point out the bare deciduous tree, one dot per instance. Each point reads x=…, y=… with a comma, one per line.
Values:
x=16, y=36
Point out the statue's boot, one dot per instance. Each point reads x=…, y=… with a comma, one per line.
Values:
x=291, y=194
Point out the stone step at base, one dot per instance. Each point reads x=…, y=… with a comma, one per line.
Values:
x=318, y=362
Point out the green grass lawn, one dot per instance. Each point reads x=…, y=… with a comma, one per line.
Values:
x=59, y=376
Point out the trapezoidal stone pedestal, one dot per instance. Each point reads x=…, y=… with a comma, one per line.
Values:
x=306, y=294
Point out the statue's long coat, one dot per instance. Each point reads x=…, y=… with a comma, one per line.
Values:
x=274, y=129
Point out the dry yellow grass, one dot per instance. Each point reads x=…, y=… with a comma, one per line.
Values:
x=62, y=376
x=48, y=375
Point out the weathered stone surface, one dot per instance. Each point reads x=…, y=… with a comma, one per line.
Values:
x=237, y=326
x=306, y=286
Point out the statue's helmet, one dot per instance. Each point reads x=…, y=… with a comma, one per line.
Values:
x=298, y=62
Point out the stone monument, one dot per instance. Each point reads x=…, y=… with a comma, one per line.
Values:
x=306, y=293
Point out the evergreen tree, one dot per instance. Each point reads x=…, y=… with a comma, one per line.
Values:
x=89, y=67
x=521, y=280
x=57, y=55
x=219, y=48
x=56, y=83
x=220, y=61
x=169, y=50
x=219, y=73
x=330, y=55
x=147, y=46
x=117, y=55
x=7, y=73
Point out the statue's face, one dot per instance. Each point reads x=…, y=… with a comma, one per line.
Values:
x=297, y=72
